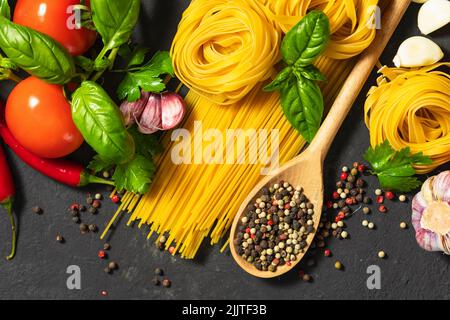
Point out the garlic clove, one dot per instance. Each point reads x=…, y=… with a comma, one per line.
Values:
x=132, y=111
x=419, y=1
x=173, y=109
x=150, y=121
x=433, y=15
x=417, y=52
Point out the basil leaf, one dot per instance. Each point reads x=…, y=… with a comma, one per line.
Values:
x=36, y=53
x=311, y=73
x=280, y=79
x=101, y=123
x=306, y=40
x=5, y=9
x=135, y=176
x=302, y=103
x=115, y=20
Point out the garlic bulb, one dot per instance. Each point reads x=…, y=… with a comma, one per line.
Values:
x=154, y=112
x=417, y=52
x=431, y=214
x=433, y=15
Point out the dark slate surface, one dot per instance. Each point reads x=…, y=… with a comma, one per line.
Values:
x=39, y=270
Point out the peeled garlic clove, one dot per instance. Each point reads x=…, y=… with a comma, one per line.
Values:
x=150, y=121
x=173, y=109
x=417, y=52
x=433, y=15
x=132, y=111
x=431, y=214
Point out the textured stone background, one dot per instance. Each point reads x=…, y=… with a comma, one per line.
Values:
x=39, y=270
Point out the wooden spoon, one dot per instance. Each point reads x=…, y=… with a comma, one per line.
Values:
x=306, y=170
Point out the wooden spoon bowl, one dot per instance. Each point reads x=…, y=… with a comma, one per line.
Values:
x=306, y=170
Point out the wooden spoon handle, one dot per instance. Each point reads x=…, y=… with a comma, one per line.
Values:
x=343, y=103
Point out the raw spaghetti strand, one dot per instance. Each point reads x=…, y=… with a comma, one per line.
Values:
x=411, y=108
x=194, y=200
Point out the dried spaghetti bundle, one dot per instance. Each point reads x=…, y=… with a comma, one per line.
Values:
x=411, y=108
x=224, y=51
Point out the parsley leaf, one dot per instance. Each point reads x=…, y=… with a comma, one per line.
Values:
x=146, y=77
x=136, y=175
x=395, y=169
x=146, y=145
x=97, y=165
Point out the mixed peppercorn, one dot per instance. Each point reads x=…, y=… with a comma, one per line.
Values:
x=275, y=228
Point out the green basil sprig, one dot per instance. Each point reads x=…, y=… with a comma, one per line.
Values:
x=36, y=53
x=101, y=123
x=5, y=10
x=115, y=20
x=301, y=97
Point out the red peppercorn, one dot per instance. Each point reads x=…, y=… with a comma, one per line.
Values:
x=253, y=236
x=344, y=176
x=337, y=219
x=380, y=199
x=390, y=195
x=361, y=168
x=172, y=250
x=330, y=204
x=341, y=215
x=327, y=253
x=74, y=207
x=382, y=209
x=287, y=206
x=101, y=254
x=104, y=293
x=349, y=201
x=355, y=164
x=115, y=198
x=336, y=195
x=247, y=230
x=288, y=263
x=301, y=273
x=270, y=222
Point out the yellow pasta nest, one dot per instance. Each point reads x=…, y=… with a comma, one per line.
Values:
x=411, y=108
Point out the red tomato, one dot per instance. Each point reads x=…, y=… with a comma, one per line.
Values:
x=55, y=18
x=39, y=117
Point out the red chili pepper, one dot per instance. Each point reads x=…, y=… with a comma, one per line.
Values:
x=7, y=192
x=61, y=170
x=390, y=195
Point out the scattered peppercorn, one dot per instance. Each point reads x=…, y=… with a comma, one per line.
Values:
x=93, y=210
x=378, y=192
x=327, y=253
x=101, y=254
x=338, y=265
x=306, y=278
x=389, y=195
x=93, y=228
x=59, y=238
x=82, y=208
x=159, y=272
x=96, y=204
x=402, y=198
x=76, y=219
x=104, y=293
x=366, y=210
x=156, y=281
x=106, y=246
x=107, y=270
x=371, y=225
x=89, y=200
x=344, y=234
x=382, y=209
x=84, y=228
x=115, y=198
x=113, y=265
x=166, y=283
x=74, y=207
x=98, y=196
x=37, y=210
x=381, y=255
x=403, y=225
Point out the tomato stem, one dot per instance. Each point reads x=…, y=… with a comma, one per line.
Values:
x=13, y=77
